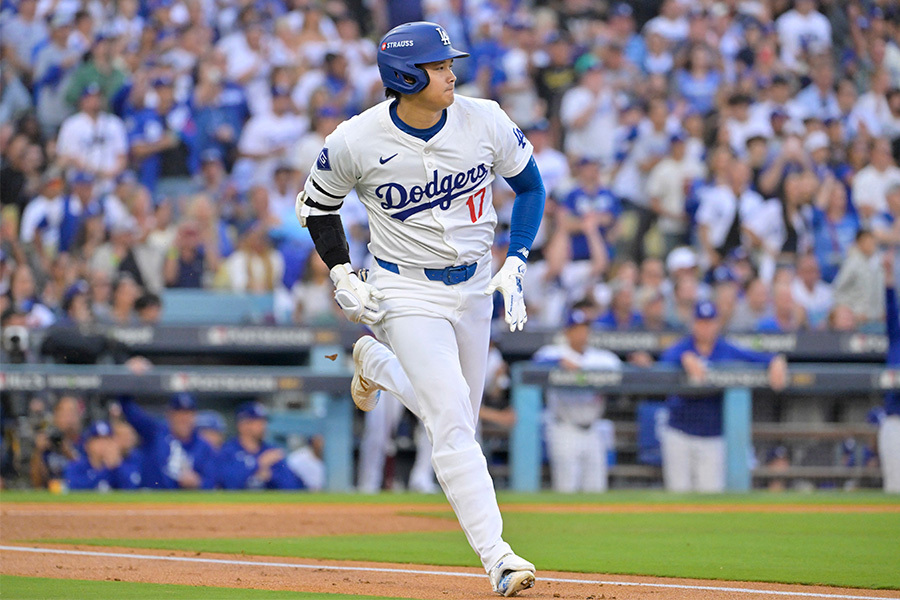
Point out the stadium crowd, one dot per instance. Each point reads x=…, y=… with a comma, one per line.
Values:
x=741, y=152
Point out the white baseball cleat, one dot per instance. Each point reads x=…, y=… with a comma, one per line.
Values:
x=511, y=575
x=365, y=392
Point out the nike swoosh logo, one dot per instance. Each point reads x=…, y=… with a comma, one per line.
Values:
x=384, y=160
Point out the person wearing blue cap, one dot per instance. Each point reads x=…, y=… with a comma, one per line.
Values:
x=102, y=467
x=100, y=67
x=622, y=28
x=211, y=427
x=582, y=247
x=163, y=142
x=622, y=315
x=578, y=439
x=693, y=449
x=175, y=456
x=247, y=461
x=889, y=428
x=75, y=304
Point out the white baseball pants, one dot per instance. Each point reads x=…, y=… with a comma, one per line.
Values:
x=577, y=457
x=381, y=425
x=692, y=463
x=439, y=335
x=889, y=453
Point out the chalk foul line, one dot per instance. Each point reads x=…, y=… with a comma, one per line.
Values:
x=222, y=561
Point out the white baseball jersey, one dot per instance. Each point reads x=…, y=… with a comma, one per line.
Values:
x=98, y=144
x=577, y=407
x=429, y=203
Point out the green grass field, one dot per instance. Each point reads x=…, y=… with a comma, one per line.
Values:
x=853, y=549
x=41, y=588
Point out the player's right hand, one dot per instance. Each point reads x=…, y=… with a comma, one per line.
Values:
x=508, y=281
x=358, y=299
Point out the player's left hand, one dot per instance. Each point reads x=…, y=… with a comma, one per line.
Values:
x=358, y=299
x=508, y=281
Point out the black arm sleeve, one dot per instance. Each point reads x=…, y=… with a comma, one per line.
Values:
x=327, y=233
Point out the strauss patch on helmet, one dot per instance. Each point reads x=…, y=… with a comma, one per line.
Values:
x=398, y=44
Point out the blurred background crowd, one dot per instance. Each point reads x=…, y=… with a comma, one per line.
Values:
x=742, y=151
x=740, y=154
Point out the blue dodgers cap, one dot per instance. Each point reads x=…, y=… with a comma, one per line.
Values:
x=98, y=429
x=211, y=155
x=79, y=177
x=182, y=401
x=705, y=310
x=576, y=317
x=251, y=410
x=78, y=288
x=678, y=136
x=329, y=112
x=91, y=89
x=722, y=274
x=280, y=91
x=163, y=81
x=210, y=419
x=94, y=209
x=539, y=125
x=127, y=177
x=621, y=10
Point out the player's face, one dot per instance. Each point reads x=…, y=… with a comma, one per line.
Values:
x=181, y=423
x=438, y=94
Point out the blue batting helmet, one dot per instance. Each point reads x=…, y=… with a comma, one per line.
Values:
x=407, y=46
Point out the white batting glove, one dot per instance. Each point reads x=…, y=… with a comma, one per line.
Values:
x=358, y=299
x=508, y=281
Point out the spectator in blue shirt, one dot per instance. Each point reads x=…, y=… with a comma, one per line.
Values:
x=693, y=449
x=175, y=456
x=698, y=83
x=102, y=467
x=247, y=462
x=622, y=315
x=787, y=316
x=889, y=431
x=220, y=110
x=211, y=427
x=621, y=27
x=162, y=141
x=834, y=228
x=589, y=214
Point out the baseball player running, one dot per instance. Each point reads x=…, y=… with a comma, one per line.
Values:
x=422, y=163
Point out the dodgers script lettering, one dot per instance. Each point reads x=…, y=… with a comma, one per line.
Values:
x=438, y=192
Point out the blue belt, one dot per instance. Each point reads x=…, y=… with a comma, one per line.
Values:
x=448, y=275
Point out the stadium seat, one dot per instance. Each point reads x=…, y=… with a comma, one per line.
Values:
x=200, y=307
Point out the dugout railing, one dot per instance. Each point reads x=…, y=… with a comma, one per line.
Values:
x=224, y=339
x=736, y=383
x=328, y=410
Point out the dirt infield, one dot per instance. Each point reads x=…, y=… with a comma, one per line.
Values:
x=21, y=522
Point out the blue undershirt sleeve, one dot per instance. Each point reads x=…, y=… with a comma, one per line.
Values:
x=893, y=319
x=528, y=209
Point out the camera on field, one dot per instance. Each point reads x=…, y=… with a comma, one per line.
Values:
x=15, y=343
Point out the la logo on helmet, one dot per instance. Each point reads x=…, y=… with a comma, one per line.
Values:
x=444, y=37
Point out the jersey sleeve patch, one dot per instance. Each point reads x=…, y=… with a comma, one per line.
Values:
x=520, y=137
x=322, y=163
